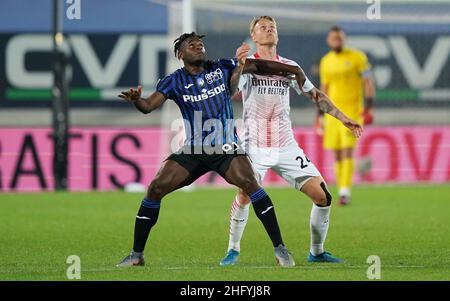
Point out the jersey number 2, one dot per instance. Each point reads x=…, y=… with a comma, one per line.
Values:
x=302, y=162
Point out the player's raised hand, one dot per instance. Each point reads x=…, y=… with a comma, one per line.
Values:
x=355, y=127
x=242, y=53
x=131, y=95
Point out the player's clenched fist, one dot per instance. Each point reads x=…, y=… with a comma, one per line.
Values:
x=131, y=95
x=242, y=53
x=356, y=128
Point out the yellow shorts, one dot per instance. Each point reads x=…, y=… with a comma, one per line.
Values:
x=336, y=135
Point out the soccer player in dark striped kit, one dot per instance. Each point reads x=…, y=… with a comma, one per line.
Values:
x=202, y=89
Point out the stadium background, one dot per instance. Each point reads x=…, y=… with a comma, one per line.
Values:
x=400, y=204
x=111, y=144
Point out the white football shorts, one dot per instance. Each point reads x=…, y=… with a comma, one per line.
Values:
x=288, y=162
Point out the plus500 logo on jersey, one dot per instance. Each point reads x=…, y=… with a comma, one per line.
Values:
x=205, y=94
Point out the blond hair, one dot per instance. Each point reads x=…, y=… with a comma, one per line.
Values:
x=257, y=19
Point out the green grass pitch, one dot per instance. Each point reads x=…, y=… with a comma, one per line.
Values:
x=408, y=227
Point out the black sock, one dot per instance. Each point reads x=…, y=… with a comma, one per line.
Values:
x=146, y=218
x=266, y=213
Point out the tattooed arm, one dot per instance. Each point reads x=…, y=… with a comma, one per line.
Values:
x=325, y=105
x=321, y=100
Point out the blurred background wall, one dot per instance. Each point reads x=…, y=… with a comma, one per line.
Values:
x=117, y=44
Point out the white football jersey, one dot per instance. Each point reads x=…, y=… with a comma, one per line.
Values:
x=266, y=108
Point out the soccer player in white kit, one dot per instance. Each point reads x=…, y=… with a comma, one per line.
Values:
x=269, y=141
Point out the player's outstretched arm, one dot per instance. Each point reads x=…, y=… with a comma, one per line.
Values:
x=326, y=105
x=144, y=105
x=266, y=67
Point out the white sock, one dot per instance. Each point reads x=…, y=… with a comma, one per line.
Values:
x=319, y=222
x=344, y=191
x=238, y=220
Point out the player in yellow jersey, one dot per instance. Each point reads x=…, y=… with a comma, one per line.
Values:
x=345, y=75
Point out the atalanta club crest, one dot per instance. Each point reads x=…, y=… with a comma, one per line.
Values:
x=200, y=82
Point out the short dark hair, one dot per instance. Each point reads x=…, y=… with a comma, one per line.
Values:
x=336, y=28
x=178, y=41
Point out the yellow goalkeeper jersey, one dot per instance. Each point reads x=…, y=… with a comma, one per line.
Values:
x=343, y=74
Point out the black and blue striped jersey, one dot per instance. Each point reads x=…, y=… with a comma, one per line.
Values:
x=204, y=100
